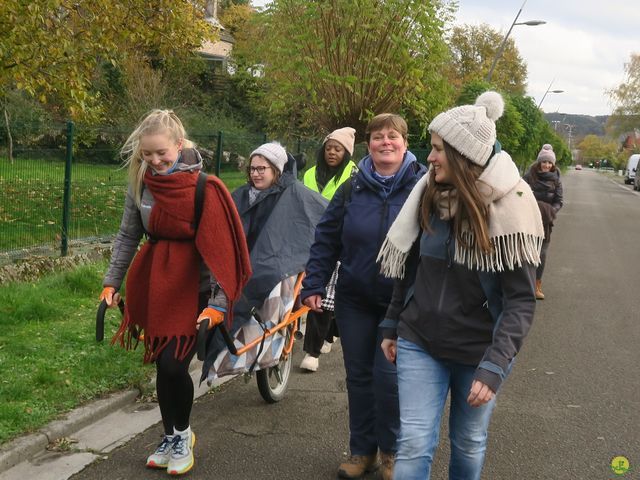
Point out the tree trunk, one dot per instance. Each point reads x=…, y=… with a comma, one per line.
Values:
x=9, y=138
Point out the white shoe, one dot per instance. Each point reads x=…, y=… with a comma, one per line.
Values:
x=309, y=363
x=326, y=347
x=160, y=458
x=181, y=460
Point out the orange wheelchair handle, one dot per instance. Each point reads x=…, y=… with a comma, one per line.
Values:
x=102, y=308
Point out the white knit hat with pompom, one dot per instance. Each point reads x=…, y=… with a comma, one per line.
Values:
x=471, y=129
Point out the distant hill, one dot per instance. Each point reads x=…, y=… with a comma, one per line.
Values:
x=582, y=124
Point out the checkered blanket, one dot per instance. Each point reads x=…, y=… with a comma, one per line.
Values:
x=272, y=311
x=328, y=302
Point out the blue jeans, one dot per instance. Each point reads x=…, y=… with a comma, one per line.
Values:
x=372, y=386
x=423, y=385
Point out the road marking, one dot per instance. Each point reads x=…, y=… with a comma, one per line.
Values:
x=624, y=187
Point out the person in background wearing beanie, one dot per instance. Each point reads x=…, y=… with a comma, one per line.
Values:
x=333, y=168
x=544, y=179
x=180, y=271
x=352, y=230
x=463, y=251
x=266, y=180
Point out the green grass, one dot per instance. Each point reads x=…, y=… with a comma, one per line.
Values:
x=32, y=204
x=32, y=201
x=49, y=359
x=233, y=179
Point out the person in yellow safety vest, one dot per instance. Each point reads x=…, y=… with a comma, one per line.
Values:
x=333, y=168
x=333, y=163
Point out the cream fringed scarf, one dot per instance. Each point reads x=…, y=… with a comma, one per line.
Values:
x=515, y=225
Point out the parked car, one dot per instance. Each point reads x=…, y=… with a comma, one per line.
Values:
x=630, y=171
x=578, y=167
x=636, y=181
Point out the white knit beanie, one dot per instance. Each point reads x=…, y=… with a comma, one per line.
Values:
x=344, y=136
x=546, y=154
x=471, y=129
x=274, y=152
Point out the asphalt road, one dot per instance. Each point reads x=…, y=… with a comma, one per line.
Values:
x=570, y=405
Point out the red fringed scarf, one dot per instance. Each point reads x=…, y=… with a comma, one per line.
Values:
x=164, y=278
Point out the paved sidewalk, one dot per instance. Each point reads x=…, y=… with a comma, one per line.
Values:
x=86, y=435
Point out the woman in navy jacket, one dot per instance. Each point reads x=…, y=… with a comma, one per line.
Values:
x=352, y=231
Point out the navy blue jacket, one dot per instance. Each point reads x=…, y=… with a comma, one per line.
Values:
x=466, y=316
x=353, y=231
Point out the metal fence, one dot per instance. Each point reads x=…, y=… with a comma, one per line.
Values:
x=66, y=184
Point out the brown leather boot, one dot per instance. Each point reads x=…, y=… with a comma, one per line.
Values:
x=387, y=460
x=539, y=294
x=357, y=465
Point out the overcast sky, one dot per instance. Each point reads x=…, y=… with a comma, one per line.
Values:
x=582, y=48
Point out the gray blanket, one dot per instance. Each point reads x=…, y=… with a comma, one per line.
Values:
x=281, y=250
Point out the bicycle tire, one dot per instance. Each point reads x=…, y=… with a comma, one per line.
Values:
x=274, y=381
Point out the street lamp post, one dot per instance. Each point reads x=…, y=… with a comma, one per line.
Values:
x=504, y=40
x=549, y=91
x=570, y=127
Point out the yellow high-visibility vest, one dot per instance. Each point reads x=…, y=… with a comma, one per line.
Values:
x=332, y=185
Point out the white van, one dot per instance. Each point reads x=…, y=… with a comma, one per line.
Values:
x=632, y=165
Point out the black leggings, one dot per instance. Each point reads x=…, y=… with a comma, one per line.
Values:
x=174, y=388
x=174, y=385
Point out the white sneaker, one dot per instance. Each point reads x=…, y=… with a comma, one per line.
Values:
x=160, y=458
x=309, y=363
x=181, y=460
x=326, y=347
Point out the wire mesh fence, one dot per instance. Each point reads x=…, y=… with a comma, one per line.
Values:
x=33, y=182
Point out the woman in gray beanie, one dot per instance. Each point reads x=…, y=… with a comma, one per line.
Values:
x=266, y=180
x=544, y=179
x=463, y=251
x=279, y=216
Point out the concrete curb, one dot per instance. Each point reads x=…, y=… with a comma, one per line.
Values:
x=21, y=449
x=25, y=447
x=87, y=414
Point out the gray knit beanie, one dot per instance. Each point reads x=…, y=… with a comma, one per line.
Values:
x=274, y=152
x=471, y=129
x=547, y=154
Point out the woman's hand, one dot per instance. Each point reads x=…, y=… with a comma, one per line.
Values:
x=314, y=302
x=215, y=317
x=110, y=296
x=479, y=394
x=389, y=349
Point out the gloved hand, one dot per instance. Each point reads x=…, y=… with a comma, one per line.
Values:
x=216, y=317
x=110, y=295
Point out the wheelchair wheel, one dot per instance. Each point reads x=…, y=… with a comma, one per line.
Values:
x=273, y=381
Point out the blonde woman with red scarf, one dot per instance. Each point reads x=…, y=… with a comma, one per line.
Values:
x=180, y=276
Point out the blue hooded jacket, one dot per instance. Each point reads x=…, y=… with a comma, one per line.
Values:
x=353, y=231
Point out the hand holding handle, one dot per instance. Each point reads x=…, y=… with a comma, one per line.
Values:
x=110, y=296
x=215, y=317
